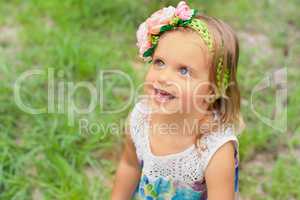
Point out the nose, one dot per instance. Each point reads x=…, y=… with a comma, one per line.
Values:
x=164, y=77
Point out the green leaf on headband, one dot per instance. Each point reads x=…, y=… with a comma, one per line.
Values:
x=180, y=22
x=150, y=51
x=186, y=22
x=166, y=28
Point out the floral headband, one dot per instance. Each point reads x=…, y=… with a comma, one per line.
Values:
x=169, y=18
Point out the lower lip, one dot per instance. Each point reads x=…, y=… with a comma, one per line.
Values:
x=161, y=98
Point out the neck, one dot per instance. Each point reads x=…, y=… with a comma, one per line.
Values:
x=179, y=124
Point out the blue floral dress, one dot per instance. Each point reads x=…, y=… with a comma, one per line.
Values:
x=178, y=176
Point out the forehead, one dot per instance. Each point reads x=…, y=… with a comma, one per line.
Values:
x=182, y=47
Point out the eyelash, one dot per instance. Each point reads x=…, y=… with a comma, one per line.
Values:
x=157, y=61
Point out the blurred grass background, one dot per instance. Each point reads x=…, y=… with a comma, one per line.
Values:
x=42, y=157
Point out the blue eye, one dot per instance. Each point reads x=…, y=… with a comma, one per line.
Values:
x=184, y=71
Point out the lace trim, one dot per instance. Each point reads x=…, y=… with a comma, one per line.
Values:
x=187, y=166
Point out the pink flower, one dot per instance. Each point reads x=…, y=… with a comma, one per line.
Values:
x=183, y=11
x=157, y=20
x=143, y=38
x=160, y=18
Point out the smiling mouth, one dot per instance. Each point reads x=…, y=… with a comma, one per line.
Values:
x=162, y=95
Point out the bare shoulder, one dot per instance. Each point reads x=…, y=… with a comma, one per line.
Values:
x=219, y=174
x=224, y=155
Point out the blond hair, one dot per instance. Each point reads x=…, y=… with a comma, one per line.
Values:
x=225, y=46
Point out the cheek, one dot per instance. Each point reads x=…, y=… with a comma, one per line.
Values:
x=187, y=99
x=195, y=94
x=150, y=76
x=149, y=80
x=200, y=93
x=185, y=94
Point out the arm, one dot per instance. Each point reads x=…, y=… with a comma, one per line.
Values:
x=219, y=174
x=128, y=172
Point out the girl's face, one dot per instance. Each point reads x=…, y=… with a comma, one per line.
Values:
x=178, y=77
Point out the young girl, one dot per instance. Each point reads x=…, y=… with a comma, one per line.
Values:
x=181, y=143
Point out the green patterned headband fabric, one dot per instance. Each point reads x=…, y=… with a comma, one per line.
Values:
x=194, y=23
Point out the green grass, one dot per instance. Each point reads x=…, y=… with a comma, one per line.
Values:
x=43, y=157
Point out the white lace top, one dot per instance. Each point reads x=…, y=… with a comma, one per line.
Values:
x=174, y=176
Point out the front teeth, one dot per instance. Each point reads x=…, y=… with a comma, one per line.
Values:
x=163, y=93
